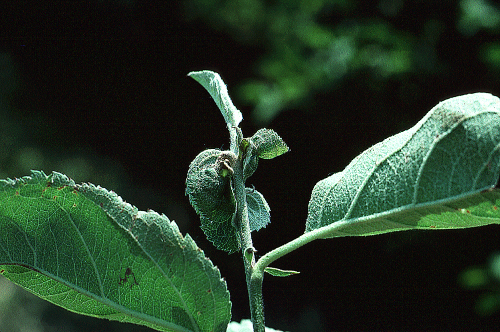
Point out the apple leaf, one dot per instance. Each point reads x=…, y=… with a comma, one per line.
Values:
x=214, y=84
x=437, y=175
x=83, y=248
x=259, y=212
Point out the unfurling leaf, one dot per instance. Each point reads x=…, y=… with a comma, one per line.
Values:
x=436, y=175
x=279, y=273
x=265, y=144
x=259, y=212
x=208, y=186
x=83, y=248
x=214, y=84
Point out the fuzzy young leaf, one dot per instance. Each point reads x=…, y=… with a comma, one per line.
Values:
x=81, y=247
x=214, y=84
x=208, y=190
x=250, y=163
x=268, y=144
x=436, y=175
x=208, y=186
x=259, y=212
x=265, y=144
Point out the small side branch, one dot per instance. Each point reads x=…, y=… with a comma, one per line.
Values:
x=281, y=251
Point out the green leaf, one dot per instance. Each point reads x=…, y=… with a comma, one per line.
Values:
x=214, y=84
x=436, y=175
x=222, y=233
x=279, y=273
x=208, y=186
x=265, y=144
x=259, y=212
x=268, y=144
x=81, y=247
x=251, y=160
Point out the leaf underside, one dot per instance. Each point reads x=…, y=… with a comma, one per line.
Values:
x=216, y=87
x=437, y=175
x=83, y=248
x=214, y=84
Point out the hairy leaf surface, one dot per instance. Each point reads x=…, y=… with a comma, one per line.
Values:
x=436, y=175
x=259, y=212
x=214, y=84
x=211, y=195
x=83, y=248
x=265, y=144
x=268, y=144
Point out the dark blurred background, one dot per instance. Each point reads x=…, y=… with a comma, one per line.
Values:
x=98, y=90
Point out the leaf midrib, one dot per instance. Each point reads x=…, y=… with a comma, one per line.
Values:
x=102, y=297
x=346, y=222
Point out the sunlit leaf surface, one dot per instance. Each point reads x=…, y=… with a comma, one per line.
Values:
x=83, y=248
x=437, y=175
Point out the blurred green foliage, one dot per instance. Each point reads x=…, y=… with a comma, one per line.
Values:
x=477, y=15
x=486, y=280
x=311, y=45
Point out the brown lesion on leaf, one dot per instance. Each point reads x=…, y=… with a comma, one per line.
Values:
x=129, y=276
